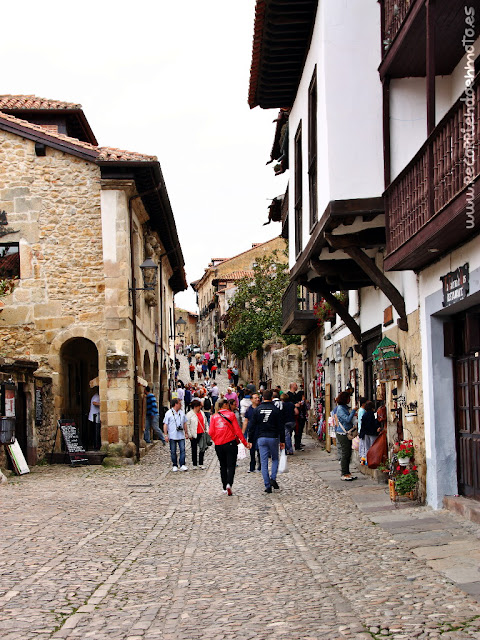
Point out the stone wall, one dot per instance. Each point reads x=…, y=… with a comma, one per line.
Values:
x=73, y=232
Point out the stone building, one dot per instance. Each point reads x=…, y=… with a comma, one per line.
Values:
x=186, y=333
x=377, y=127
x=219, y=275
x=77, y=221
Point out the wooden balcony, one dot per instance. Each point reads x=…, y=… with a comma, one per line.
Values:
x=404, y=38
x=429, y=207
x=298, y=317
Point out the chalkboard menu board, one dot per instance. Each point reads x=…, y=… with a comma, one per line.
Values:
x=71, y=437
x=38, y=407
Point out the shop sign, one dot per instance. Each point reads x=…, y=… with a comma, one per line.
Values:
x=338, y=351
x=456, y=285
x=38, y=407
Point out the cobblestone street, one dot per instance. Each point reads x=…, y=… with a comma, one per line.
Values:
x=141, y=553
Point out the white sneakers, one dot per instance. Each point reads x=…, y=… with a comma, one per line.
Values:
x=183, y=468
x=174, y=468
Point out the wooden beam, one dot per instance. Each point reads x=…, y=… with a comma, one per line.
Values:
x=379, y=279
x=374, y=237
x=341, y=310
x=344, y=269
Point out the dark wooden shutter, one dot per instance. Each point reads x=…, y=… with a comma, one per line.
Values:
x=449, y=350
x=472, y=332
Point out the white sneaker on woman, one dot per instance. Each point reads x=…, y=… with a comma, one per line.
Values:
x=174, y=468
x=183, y=468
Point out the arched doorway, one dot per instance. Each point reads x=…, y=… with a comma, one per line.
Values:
x=79, y=365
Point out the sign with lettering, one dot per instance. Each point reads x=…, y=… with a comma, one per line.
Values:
x=38, y=407
x=72, y=441
x=18, y=459
x=456, y=285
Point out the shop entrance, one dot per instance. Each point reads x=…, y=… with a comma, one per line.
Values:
x=467, y=403
x=79, y=358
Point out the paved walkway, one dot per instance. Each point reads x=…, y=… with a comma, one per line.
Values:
x=141, y=553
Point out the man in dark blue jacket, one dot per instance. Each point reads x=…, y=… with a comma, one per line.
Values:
x=267, y=423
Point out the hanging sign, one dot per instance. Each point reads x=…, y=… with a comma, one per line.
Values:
x=10, y=402
x=456, y=285
x=38, y=407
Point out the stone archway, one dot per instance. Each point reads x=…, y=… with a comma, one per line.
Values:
x=147, y=369
x=78, y=366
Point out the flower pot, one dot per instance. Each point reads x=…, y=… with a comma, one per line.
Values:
x=403, y=461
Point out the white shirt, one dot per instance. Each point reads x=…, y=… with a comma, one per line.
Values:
x=174, y=419
x=94, y=411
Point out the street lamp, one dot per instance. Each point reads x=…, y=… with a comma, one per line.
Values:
x=180, y=327
x=149, y=275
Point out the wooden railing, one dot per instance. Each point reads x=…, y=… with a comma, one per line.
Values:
x=394, y=13
x=437, y=173
x=297, y=298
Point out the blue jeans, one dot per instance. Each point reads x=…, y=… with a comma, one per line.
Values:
x=289, y=427
x=269, y=448
x=173, y=451
x=151, y=422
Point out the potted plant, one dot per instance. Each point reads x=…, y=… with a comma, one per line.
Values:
x=406, y=481
x=405, y=452
x=324, y=312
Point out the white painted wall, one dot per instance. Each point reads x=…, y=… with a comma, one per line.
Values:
x=408, y=111
x=437, y=372
x=110, y=199
x=345, y=48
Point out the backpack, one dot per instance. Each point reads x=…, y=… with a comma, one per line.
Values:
x=207, y=404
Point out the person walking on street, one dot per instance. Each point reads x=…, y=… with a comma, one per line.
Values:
x=289, y=419
x=191, y=369
x=226, y=433
x=235, y=376
x=199, y=371
x=344, y=420
x=268, y=425
x=231, y=395
x=250, y=433
x=152, y=418
x=196, y=422
x=174, y=429
x=214, y=393
x=214, y=371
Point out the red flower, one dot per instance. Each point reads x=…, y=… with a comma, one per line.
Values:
x=399, y=468
x=406, y=472
x=402, y=446
x=414, y=468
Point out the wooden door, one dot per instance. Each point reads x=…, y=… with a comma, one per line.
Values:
x=467, y=406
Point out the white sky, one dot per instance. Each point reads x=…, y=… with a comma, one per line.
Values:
x=168, y=78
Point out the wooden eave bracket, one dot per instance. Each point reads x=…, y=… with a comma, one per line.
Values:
x=377, y=276
x=337, y=306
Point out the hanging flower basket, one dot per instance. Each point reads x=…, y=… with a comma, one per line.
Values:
x=324, y=312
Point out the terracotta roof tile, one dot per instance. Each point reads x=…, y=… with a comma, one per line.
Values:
x=99, y=153
x=8, y=101
x=235, y=275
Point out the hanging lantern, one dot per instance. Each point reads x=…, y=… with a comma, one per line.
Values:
x=387, y=363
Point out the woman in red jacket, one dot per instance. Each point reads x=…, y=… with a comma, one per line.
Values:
x=225, y=433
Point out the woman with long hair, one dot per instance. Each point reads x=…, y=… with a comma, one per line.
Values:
x=226, y=434
x=196, y=430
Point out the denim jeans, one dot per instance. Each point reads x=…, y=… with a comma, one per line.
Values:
x=173, y=451
x=269, y=448
x=289, y=427
x=151, y=422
